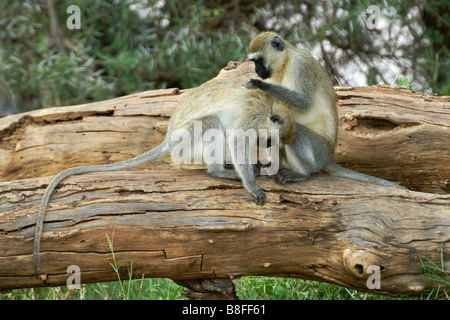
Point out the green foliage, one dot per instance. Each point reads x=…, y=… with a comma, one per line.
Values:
x=116, y=52
x=405, y=83
x=436, y=17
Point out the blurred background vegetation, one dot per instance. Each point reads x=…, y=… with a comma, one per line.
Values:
x=125, y=46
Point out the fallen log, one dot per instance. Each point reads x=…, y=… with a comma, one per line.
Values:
x=184, y=224
x=187, y=226
x=387, y=132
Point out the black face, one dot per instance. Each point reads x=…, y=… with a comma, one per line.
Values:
x=277, y=43
x=276, y=118
x=260, y=70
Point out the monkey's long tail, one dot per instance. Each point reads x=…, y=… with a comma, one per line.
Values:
x=338, y=171
x=154, y=154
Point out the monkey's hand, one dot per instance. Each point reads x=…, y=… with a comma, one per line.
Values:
x=256, y=84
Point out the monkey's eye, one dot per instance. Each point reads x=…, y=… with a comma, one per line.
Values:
x=277, y=43
x=276, y=118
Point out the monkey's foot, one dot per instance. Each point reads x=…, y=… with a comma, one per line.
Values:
x=287, y=175
x=259, y=167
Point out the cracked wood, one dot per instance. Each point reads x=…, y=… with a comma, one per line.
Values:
x=188, y=225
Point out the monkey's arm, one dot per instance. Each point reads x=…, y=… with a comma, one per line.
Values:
x=302, y=101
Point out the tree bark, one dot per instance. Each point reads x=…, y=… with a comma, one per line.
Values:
x=395, y=134
x=184, y=224
x=387, y=132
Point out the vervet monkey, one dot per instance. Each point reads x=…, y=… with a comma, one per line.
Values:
x=219, y=104
x=295, y=77
x=7, y=101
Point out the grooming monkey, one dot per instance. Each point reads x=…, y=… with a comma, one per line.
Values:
x=295, y=77
x=219, y=104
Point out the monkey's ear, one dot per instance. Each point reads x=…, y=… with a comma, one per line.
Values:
x=277, y=43
x=276, y=118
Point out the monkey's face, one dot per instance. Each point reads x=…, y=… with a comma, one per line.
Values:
x=282, y=119
x=284, y=124
x=261, y=69
x=267, y=51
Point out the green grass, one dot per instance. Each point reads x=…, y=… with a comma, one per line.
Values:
x=405, y=83
x=272, y=288
x=436, y=275
x=247, y=288
x=144, y=289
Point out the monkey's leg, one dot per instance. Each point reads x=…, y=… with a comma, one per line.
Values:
x=219, y=171
x=285, y=175
x=245, y=170
x=307, y=154
x=256, y=168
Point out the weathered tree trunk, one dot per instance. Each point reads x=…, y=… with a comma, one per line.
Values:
x=386, y=132
x=396, y=134
x=185, y=225
x=188, y=225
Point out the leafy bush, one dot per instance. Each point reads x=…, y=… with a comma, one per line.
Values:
x=125, y=46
